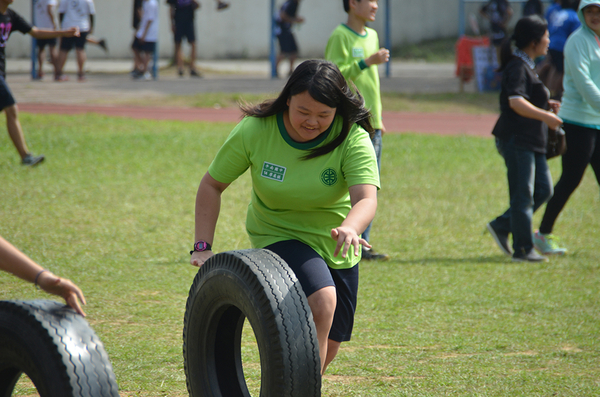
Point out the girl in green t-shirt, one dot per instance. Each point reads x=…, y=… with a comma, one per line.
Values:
x=314, y=190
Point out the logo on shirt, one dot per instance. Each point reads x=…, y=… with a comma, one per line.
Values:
x=358, y=52
x=5, y=29
x=272, y=171
x=329, y=177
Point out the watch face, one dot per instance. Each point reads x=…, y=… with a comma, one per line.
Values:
x=200, y=246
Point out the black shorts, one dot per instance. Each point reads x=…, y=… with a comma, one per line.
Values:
x=185, y=28
x=146, y=46
x=42, y=43
x=287, y=42
x=314, y=274
x=6, y=98
x=67, y=43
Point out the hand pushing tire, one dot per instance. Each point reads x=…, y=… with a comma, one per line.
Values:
x=56, y=348
x=257, y=285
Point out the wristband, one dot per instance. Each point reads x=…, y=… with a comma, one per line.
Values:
x=37, y=276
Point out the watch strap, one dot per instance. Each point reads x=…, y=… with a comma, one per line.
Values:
x=201, y=246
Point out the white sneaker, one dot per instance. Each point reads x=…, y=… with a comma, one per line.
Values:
x=147, y=76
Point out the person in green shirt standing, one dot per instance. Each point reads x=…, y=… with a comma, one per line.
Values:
x=354, y=48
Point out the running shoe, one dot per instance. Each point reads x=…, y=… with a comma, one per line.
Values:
x=531, y=256
x=547, y=244
x=370, y=255
x=32, y=160
x=501, y=239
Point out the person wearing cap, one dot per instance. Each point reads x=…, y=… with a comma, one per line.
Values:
x=580, y=112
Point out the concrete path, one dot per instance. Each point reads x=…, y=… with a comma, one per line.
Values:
x=109, y=81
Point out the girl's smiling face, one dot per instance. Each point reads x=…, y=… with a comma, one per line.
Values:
x=307, y=118
x=591, y=14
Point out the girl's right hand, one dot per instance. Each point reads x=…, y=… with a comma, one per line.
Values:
x=199, y=257
x=553, y=121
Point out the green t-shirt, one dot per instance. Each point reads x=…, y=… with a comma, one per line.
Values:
x=295, y=199
x=348, y=50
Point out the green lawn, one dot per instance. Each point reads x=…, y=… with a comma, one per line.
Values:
x=448, y=315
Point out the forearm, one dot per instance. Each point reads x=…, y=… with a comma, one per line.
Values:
x=39, y=33
x=208, y=207
x=363, y=199
x=15, y=262
x=361, y=214
x=524, y=108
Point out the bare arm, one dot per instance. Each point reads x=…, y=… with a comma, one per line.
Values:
x=208, y=206
x=524, y=108
x=364, y=204
x=14, y=261
x=40, y=33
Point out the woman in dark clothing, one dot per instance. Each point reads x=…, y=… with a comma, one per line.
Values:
x=521, y=135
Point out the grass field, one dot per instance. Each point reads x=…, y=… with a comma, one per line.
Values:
x=448, y=315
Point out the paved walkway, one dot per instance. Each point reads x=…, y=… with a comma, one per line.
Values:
x=108, y=81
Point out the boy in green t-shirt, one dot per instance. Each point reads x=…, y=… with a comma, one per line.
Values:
x=354, y=48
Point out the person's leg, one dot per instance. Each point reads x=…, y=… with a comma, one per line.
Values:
x=40, y=57
x=179, y=58
x=53, y=55
x=520, y=164
x=332, y=350
x=317, y=283
x=376, y=140
x=595, y=160
x=280, y=57
x=60, y=63
x=15, y=131
x=293, y=58
x=499, y=228
x=191, y=36
x=81, y=58
x=542, y=190
x=66, y=44
x=580, y=148
x=80, y=43
x=322, y=305
x=293, y=51
x=346, y=287
x=193, y=57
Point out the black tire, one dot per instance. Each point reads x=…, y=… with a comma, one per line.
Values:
x=260, y=286
x=56, y=348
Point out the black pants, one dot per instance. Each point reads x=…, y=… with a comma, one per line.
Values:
x=583, y=148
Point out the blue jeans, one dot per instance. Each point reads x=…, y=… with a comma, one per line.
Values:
x=376, y=141
x=529, y=186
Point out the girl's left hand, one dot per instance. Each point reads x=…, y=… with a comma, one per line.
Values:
x=345, y=238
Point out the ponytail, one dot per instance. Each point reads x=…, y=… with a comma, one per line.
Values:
x=506, y=52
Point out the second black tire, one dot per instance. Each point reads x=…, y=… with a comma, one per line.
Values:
x=257, y=285
x=56, y=348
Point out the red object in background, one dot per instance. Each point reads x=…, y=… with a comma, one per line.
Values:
x=464, y=55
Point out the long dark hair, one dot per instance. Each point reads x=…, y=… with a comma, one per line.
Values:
x=324, y=83
x=528, y=30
